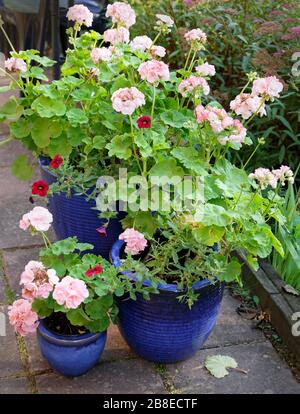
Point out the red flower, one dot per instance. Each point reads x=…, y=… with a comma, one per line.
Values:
x=96, y=270
x=102, y=231
x=144, y=121
x=56, y=162
x=40, y=188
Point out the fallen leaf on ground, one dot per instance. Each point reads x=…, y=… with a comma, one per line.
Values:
x=217, y=365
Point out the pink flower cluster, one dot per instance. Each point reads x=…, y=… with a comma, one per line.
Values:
x=101, y=53
x=141, y=43
x=269, y=87
x=37, y=281
x=220, y=121
x=159, y=51
x=265, y=177
x=192, y=85
x=135, y=241
x=196, y=35
x=245, y=105
x=80, y=14
x=126, y=100
x=206, y=69
x=121, y=13
x=70, y=292
x=22, y=317
x=114, y=36
x=163, y=19
x=154, y=71
x=39, y=218
x=15, y=65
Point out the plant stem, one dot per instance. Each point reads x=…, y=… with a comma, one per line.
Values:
x=8, y=39
x=187, y=59
x=251, y=156
x=5, y=141
x=153, y=103
x=255, y=113
x=133, y=145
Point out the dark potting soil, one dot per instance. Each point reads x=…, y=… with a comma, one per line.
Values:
x=60, y=324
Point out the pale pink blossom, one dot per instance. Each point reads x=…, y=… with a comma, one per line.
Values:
x=201, y=114
x=141, y=43
x=37, y=281
x=121, y=13
x=196, y=35
x=218, y=118
x=80, y=14
x=15, y=65
x=163, y=19
x=237, y=133
x=206, y=69
x=159, y=51
x=154, y=71
x=269, y=87
x=70, y=292
x=22, y=317
x=192, y=85
x=284, y=173
x=101, y=53
x=126, y=100
x=114, y=36
x=246, y=105
x=264, y=177
x=135, y=241
x=39, y=218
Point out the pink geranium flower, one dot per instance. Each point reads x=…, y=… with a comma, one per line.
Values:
x=121, y=13
x=245, y=105
x=80, y=14
x=159, y=51
x=206, y=69
x=135, y=241
x=22, y=317
x=101, y=53
x=196, y=35
x=163, y=19
x=284, y=173
x=114, y=36
x=39, y=218
x=154, y=71
x=192, y=85
x=237, y=133
x=269, y=87
x=70, y=292
x=37, y=281
x=264, y=177
x=15, y=65
x=126, y=100
x=141, y=43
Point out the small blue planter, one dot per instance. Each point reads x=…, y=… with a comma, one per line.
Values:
x=162, y=329
x=71, y=355
x=74, y=216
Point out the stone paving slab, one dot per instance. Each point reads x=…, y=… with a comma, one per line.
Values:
x=14, y=386
x=2, y=286
x=14, y=196
x=10, y=363
x=267, y=373
x=15, y=261
x=121, y=377
x=10, y=151
x=230, y=327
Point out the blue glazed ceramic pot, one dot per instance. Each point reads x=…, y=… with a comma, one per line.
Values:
x=71, y=355
x=162, y=329
x=75, y=216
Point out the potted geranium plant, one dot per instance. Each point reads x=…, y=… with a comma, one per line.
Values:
x=68, y=298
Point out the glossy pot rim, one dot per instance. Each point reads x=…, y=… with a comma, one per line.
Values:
x=169, y=287
x=68, y=340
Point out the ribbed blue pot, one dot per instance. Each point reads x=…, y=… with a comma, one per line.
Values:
x=162, y=329
x=75, y=216
x=71, y=355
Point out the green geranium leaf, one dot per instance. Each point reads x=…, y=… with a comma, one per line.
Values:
x=190, y=158
x=40, y=306
x=98, y=325
x=38, y=73
x=78, y=317
x=21, y=168
x=20, y=129
x=47, y=107
x=174, y=119
x=217, y=365
x=75, y=136
x=232, y=271
x=60, y=145
x=120, y=146
x=43, y=129
x=166, y=168
x=77, y=116
x=214, y=215
x=208, y=235
x=11, y=110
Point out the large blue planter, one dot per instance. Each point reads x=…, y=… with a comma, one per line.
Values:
x=75, y=216
x=71, y=355
x=162, y=329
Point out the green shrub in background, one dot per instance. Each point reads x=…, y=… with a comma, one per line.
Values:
x=242, y=36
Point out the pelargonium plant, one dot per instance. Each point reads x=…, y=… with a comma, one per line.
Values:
x=73, y=292
x=119, y=107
